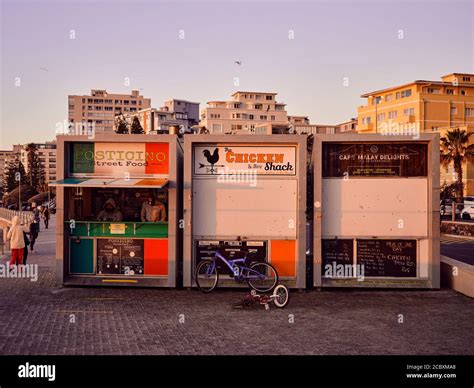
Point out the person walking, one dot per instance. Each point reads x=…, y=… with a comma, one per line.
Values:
x=34, y=231
x=36, y=215
x=25, y=249
x=17, y=241
x=46, y=217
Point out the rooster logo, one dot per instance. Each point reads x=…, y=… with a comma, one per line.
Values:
x=212, y=160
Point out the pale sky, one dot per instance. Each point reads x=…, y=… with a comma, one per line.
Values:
x=140, y=40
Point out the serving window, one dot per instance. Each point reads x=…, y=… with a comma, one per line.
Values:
x=118, y=204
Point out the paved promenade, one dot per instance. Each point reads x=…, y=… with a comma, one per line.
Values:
x=44, y=318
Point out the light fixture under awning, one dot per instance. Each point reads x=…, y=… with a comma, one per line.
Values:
x=111, y=182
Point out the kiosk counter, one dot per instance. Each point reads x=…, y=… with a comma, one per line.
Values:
x=117, y=210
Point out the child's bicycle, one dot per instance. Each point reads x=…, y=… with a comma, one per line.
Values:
x=261, y=277
x=280, y=297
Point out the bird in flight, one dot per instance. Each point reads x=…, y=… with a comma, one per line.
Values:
x=238, y=62
x=44, y=69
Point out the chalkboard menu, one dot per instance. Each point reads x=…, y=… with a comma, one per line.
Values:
x=337, y=251
x=206, y=249
x=387, y=258
x=375, y=159
x=120, y=256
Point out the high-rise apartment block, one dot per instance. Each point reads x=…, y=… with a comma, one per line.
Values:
x=100, y=108
x=247, y=112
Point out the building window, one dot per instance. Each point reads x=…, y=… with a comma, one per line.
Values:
x=406, y=93
x=268, y=98
x=381, y=117
x=250, y=117
x=463, y=92
x=236, y=106
x=392, y=114
x=272, y=118
x=366, y=120
x=433, y=91
x=388, y=97
x=258, y=96
x=258, y=106
x=263, y=117
x=397, y=95
x=409, y=112
x=469, y=112
x=118, y=101
x=216, y=128
x=449, y=91
x=454, y=111
x=466, y=79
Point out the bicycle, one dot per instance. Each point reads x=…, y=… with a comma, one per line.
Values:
x=280, y=297
x=261, y=277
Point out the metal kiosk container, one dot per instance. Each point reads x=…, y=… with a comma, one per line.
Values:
x=376, y=211
x=118, y=203
x=246, y=193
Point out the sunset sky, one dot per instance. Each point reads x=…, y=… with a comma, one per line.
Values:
x=140, y=40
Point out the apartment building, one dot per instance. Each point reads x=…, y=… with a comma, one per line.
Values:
x=245, y=113
x=347, y=126
x=173, y=114
x=100, y=108
x=421, y=106
x=47, y=156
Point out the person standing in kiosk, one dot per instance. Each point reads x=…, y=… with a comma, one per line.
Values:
x=110, y=212
x=153, y=210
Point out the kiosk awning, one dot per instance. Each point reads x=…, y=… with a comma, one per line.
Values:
x=111, y=182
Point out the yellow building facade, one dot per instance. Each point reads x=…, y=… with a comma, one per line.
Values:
x=423, y=106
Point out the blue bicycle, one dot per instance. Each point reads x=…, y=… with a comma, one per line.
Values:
x=261, y=277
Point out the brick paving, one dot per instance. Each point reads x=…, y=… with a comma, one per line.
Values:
x=36, y=318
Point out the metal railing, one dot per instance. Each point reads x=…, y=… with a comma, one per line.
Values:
x=8, y=215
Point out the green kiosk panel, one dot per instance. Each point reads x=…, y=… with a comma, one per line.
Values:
x=81, y=256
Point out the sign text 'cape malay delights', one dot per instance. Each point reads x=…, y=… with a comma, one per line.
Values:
x=375, y=159
x=119, y=158
x=257, y=159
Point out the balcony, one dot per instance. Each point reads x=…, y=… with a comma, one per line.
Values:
x=365, y=127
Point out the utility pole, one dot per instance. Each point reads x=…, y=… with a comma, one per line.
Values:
x=18, y=179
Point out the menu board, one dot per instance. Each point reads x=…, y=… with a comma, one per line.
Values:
x=387, y=258
x=206, y=249
x=120, y=256
x=339, y=251
x=375, y=159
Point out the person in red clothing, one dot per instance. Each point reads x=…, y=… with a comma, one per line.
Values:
x=17, y=240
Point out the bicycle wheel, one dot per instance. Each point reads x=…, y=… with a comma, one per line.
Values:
x=206, y=276
x=281, y=296
x=262, y=277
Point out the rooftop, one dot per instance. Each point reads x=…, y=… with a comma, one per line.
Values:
x=421, y=82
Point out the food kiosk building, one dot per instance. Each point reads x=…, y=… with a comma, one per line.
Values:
x=117, y=210
x=376, y=211
x=246, y=194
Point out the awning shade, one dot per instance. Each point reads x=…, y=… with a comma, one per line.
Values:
x=111, y=182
